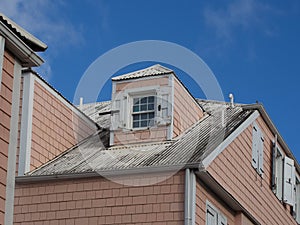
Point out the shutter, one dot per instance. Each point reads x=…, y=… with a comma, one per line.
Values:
x=274, y=154
x=279, y=176
x=260, y=154
x=211, y=216
x=115, y=115
x=222, y=220
x=297, y=205
x=255, y=141
x=288, y=181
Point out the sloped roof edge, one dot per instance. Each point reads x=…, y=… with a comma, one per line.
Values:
x=34, y=43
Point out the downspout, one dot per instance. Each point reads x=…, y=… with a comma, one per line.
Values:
x=190, y=197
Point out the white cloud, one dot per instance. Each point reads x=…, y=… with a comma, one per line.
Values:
x=239, y=14
x=45, y=20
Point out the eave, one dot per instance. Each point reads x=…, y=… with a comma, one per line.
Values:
x=13, y=43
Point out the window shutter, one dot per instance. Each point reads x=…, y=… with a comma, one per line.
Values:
x=274, y=154
x=211, y=216
x=255, y=143
x=115, y=116
x=260, y=153
x=288, y=181
x=222, y=220
x=297, y=203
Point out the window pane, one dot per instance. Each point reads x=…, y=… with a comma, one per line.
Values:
x=144, y=123
x=151, y=107
x=135, y=124
x=151, y=99
x=136, y=117
x=136, y=101
x=151, y=115
x=144, y=116
x=144, y=100
x=143, y=108
x=136, y=108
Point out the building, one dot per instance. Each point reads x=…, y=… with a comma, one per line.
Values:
x=152, y=155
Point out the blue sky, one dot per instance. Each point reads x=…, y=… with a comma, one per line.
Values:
x=251, y=46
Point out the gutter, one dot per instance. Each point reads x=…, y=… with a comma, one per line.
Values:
x=190, y=197
x=102, y=173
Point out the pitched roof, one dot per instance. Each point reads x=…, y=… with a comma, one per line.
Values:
x=188, y=150
x=154, y=70
x=34, y=43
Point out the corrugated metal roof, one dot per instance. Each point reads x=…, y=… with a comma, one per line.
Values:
x=188, y=149
x=149, y=71
x=34, y=43
x=99, y=112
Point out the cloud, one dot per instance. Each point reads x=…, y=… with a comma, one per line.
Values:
x=45, y=20
x=239, y=14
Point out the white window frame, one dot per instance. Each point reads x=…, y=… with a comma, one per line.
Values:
x=132, y=97
x=130, y=94
x=221, y=219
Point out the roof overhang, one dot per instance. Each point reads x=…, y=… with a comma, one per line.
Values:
x=13, y=43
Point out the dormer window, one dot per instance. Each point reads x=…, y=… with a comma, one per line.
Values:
x=143, y=111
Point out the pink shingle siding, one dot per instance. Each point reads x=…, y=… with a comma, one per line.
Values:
x=99, y=201
x=233, y=170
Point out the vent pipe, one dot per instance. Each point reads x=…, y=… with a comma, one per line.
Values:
x=231, y=97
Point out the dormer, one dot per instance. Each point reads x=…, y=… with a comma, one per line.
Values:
x=150, y=105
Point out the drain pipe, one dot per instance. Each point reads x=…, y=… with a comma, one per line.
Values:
x=190, y=197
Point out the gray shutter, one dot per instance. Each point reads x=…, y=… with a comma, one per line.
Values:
x=279, y=175
x=288, y=181
x=211, y=216
x=255, y=143
x=260, y=154
x=222, y=220
x=274, y=155
x=115, y=115
x=297, y=203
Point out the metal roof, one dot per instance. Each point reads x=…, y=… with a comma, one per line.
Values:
x=99, y=112
x=34, y=43
x=188, y=150
x=154, y=70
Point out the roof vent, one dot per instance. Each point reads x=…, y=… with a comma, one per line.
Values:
x=231, y=97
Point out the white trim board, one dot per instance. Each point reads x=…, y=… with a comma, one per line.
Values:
x=2, y=43
x=26, y=123
x=206, y=162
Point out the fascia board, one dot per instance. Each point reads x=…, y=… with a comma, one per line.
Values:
x=22, y=51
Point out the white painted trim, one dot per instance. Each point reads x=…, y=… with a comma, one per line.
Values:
x=2, y=43
x=206, y=162
x=171, y=97
x=73, y=108
x=26, y=123
x=12, y=147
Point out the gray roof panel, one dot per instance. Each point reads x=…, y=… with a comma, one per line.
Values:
x=188, y=149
